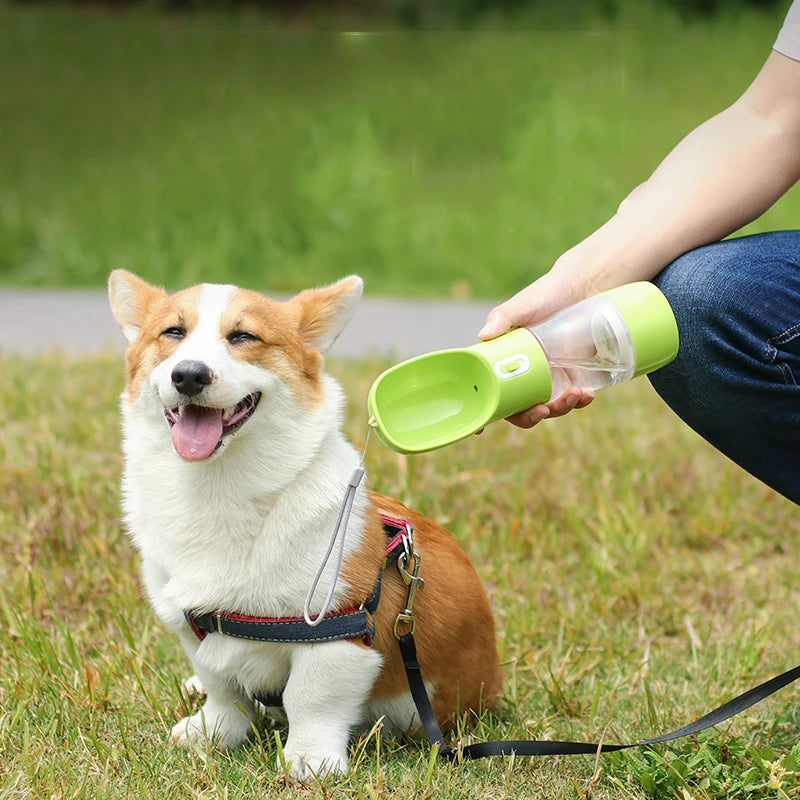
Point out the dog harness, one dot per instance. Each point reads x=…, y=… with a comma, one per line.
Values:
x=348, y=623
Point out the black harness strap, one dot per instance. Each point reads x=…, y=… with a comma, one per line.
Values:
x=350, y=623
x=547, y=748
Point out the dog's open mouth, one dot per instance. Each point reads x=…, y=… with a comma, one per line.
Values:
x=197, y=431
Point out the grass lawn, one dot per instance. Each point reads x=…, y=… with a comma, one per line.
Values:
x=637, y=577
x=432, y=163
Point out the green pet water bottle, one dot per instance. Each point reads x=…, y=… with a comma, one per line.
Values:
x=436, y=399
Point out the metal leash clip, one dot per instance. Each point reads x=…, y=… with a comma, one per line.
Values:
x=408, y=566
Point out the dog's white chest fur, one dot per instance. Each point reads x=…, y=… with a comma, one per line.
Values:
x=245, y=532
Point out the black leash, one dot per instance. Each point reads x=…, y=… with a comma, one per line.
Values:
x=547, y=748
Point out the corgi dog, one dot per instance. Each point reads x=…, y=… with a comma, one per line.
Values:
x=234, y=472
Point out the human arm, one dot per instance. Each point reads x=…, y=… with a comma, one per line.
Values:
x=722, y=175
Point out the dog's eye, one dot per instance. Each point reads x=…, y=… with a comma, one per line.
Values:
x=240, y=337
x=174, y=332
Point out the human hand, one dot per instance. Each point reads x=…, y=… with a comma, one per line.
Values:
x=563, y=404
x=535, y=303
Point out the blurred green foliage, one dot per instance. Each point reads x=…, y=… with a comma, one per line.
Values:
x=236, y=147
x=423, y=13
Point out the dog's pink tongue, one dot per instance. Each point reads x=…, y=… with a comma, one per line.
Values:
x=197, y=432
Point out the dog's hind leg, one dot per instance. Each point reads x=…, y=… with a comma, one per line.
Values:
x=324, y=699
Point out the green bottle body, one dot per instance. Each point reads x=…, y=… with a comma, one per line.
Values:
x=435, y=399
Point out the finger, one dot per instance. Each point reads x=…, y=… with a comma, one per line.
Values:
x=570, y=400
x=531, y=417
x=586, y=398
x=564, y=404
x=574, y=398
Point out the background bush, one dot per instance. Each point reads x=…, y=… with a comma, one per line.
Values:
x=240, y=147
x=416, y=13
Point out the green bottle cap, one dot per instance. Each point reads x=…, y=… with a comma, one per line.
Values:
x=651, y=322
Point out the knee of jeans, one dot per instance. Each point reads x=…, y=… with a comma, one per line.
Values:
x=702, y=289
x=693, y=295
x=712, y=285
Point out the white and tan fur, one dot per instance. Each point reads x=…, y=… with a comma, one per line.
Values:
x=245, y=528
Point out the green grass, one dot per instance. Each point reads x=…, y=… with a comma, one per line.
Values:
x=637, y=577
x=217, y=147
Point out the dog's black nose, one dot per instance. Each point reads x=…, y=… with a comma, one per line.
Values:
x=191, y=377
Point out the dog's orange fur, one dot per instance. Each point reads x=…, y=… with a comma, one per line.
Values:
x=454, y=636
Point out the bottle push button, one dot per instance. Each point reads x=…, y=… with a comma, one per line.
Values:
x=512, y=365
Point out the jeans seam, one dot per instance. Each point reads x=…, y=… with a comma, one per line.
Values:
x=788, y=375
x=771, y=352
x=785, y=336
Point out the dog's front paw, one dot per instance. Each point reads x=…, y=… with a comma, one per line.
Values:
x=188, y=731
x=226, y=731
x=305, y=764
x=193, y=687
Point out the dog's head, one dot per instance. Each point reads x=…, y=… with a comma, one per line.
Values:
x=204, y=359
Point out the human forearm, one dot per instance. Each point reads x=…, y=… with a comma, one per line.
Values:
x=722, y=175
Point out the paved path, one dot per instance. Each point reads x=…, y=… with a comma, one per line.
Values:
x=80, y=323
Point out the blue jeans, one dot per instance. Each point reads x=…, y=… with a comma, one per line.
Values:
x=736, y=379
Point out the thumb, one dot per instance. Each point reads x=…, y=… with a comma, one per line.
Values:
x=496, y=323
x=514, y=312
x=532, y=304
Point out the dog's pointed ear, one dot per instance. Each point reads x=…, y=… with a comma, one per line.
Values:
x=324, y=313
x=131, y=298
